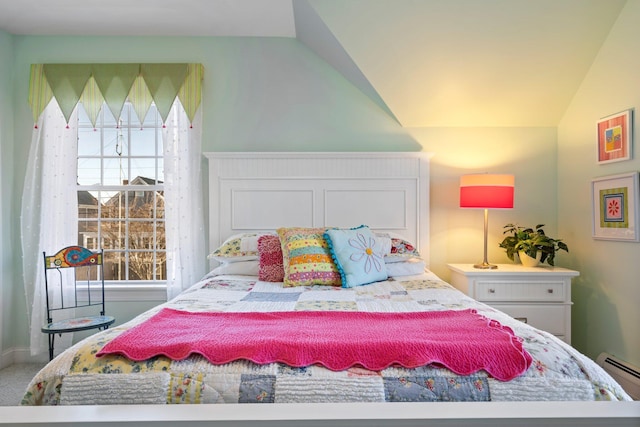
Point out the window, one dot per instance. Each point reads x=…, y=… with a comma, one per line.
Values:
x=121, y=193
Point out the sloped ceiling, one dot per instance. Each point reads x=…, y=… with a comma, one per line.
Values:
x=469, y=62
x=424, y=62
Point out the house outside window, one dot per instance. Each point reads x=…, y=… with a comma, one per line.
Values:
x=121, y=193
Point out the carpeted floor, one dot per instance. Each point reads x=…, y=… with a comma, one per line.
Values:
x=14, y=380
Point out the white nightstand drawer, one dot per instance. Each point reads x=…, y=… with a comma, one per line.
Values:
x=551, y=291
x=547, y=317
x=541, y=296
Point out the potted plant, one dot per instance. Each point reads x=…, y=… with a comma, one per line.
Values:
x=531, y=242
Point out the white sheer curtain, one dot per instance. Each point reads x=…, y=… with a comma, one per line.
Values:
x=49, y=218
x=186, y=258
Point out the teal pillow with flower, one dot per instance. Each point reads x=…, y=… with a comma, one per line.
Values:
x=358, y=254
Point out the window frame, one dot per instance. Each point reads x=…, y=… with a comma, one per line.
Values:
x=125, y=125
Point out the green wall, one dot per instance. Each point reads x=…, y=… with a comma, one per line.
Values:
x=606, y=296
x=6, y=170
x=457, y=235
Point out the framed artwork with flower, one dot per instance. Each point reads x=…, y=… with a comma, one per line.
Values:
x=615, y=207
x=615, y=137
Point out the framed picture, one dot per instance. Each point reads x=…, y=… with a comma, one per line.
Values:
x=615, y=137
x=615, y=207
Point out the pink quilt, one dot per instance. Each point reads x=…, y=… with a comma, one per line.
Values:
x=463, y=341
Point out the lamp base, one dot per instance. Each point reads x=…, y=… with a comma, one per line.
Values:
x=485, y=266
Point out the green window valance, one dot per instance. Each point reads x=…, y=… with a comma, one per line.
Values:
x=95, y=84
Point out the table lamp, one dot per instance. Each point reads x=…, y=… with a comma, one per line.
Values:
x=486, y=191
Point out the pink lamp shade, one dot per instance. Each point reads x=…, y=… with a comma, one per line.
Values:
x=487, y=191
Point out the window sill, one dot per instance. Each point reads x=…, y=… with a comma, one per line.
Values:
x=115, y=293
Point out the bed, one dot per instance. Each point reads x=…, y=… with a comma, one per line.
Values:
x=555, y=373
x=534, y=379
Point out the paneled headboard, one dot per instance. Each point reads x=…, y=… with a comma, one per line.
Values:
x=264, y=191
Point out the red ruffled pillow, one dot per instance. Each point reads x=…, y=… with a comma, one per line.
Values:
x=271, y=267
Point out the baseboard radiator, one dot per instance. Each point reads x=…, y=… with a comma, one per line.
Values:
x=627, y=375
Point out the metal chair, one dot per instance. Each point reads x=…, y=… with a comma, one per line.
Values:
x=83, y=267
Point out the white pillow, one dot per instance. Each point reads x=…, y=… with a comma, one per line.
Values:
x=243, y=268
x=406, y=268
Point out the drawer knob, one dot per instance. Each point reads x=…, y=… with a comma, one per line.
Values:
x=550, y=291
x=492, y=291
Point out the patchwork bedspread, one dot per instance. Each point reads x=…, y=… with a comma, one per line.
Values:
x=77, y=376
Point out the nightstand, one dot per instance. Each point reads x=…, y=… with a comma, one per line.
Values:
x=539, y=296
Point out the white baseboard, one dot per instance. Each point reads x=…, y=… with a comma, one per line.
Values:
x=18, y=355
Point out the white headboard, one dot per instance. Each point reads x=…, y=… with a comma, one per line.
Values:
x=264, y=191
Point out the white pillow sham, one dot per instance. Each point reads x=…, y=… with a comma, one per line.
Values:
x=405, y=268
x=243, y=268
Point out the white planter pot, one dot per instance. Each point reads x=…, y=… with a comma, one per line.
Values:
x=528, y=261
